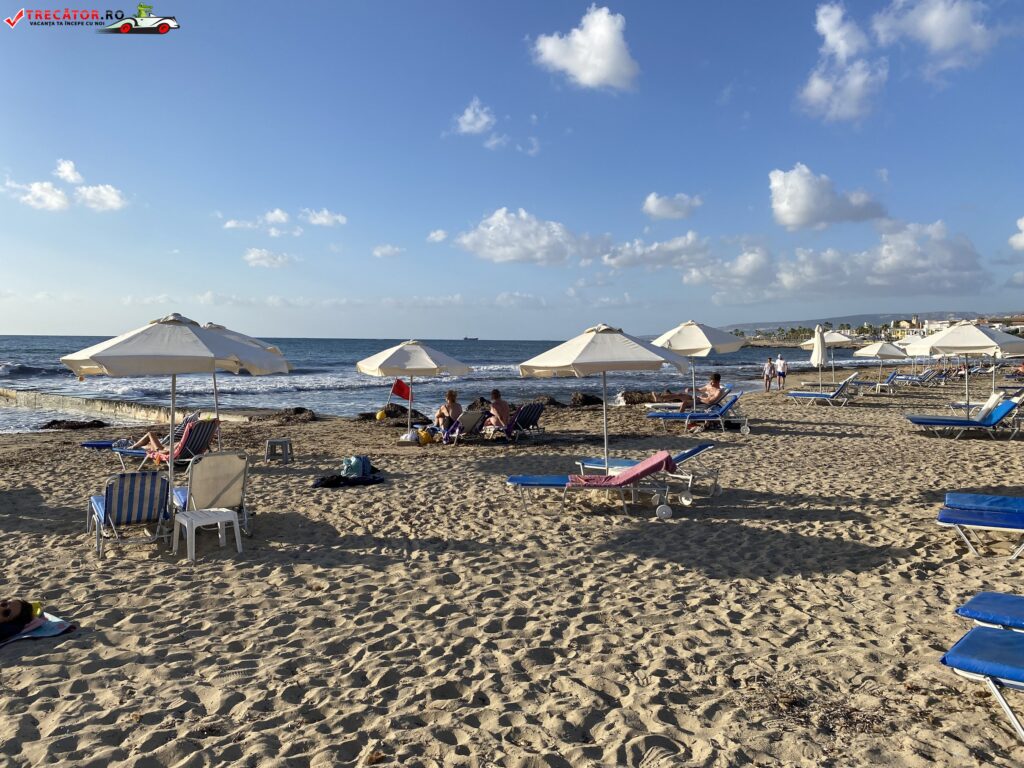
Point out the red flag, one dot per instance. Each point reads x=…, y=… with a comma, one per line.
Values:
x=401, y=389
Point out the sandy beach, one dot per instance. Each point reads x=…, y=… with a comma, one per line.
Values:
x=797, y=619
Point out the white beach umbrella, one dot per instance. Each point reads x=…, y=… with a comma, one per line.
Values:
x=411, y=358
x=818, y=347
x=693, y=339
x=598, y=350
x=967, y=339
x=881, y=350
x=170, y=346
x=833, y=339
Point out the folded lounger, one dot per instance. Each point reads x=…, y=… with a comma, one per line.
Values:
x=994, y=657
x=995, y=609
x=965, y=512
x=628, y=478
x=681, y=473
x=838, y=396
x=950, y=424
x=727, y=410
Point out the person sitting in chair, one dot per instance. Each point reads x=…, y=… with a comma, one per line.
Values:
x=709, y=394
x=500, y=412
x=448, y=413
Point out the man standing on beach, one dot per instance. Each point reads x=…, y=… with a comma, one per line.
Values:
x=769, y=373
x=781, y=369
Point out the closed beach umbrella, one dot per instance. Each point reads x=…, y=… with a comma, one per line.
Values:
x=693, y=339
x=833, y=339
x=881, y=350
x=598, y=350
x=818, y=353
x=411, y=358
x=966, y=339
x=170, y=346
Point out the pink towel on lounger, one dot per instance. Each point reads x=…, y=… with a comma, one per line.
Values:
x=659, y=462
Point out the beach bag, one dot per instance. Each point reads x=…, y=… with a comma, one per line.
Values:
x=411, y=437
x=356, y=466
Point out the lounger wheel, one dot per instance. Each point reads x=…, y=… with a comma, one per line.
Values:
x=663, y=512
x=686, y=498
x=745, y=429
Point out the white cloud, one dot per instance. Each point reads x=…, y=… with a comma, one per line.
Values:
x=42, y=195
x=681, y=252
x=276, y=216
x=594, y=54
x=518, y=236
x=261, y=257
x=66, y=171
x=145, y=301
x=1017, y=240
x=909, y=260
x=475, y=118
x=496, y=141
x=953, y=31
x=101, y=197
x=841, y=87
x=239, y=224
x=841, y=38
x=437, y=236
x=801, y=200
x=531, y=148
x=518, y=300
x=386, y=250
x=323, y=217
x=679, y=206
x=275, y=232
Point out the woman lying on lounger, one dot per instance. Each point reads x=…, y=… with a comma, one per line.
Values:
x=709, y=394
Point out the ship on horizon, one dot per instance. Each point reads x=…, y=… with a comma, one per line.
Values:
x=470, y=338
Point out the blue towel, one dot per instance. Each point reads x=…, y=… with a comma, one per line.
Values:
x=985, y=502
x=989, y=652
x=539, y=481
x=995, y=608
x=1013, y=521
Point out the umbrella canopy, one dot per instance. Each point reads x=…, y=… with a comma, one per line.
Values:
x=173, y=345
x=881, y=350
x=598, y=350
x=698, y=340
x=832, y=339
x=411, y=358
x=237, y=336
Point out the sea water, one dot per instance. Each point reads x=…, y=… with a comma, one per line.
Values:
x=325, y=377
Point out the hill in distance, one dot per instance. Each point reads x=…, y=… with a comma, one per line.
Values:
x=855, y=321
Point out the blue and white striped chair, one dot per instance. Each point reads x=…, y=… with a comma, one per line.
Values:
x=130, y=498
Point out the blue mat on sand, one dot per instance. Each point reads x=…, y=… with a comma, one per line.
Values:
x=46, y=625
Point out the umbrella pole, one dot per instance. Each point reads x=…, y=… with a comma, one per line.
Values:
x=408, y=411
x=216, y=407
x=833, y=367
x=170, y=447
x=693, y=382
x=967, y=385
x=604, y=409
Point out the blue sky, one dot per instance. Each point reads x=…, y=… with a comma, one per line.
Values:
x=281, y=168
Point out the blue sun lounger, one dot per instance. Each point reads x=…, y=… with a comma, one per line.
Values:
x=964, y=512
x=994, y=657
x=838, y=396
x=728, y=410
x=990, y=424
x=625, y=480
x=994, y=609
x=596, y=464
x=878, y=386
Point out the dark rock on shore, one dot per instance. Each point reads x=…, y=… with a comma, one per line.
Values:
x=71, y=424
x=548, y=402
x=395, y=416
x=580, y=399
x=636, y=397
x=289, y=416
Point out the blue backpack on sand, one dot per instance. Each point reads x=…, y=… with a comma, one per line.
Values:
x=357, y=466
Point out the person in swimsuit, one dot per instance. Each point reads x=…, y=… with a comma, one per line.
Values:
x=500, y=412
x=448, y=413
